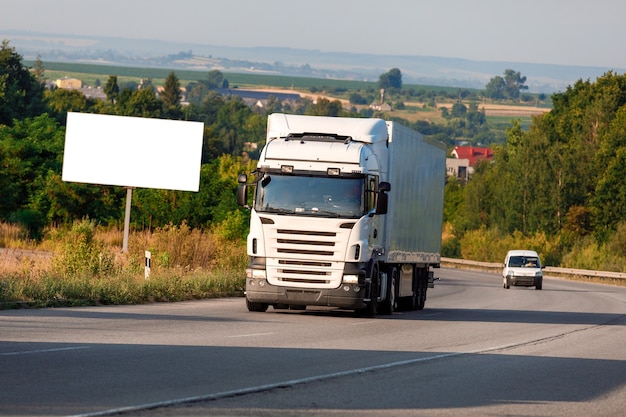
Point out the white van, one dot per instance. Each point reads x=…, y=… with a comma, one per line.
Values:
x=523, y=268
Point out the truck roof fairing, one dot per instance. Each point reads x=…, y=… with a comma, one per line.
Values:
x=281, y=125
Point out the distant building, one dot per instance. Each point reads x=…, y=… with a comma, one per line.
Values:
x=472, y=153
x=259, y=98
x=463, y=160
x=380, y=107
x=69, y=83
x=458, y=168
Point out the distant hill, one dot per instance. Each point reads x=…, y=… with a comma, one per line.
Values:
x=426, y=70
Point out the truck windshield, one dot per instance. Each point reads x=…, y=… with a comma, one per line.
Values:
x=319, y=196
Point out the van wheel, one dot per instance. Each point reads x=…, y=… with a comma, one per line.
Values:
x=507, y=284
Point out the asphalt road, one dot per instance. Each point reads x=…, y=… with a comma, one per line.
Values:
x=475, y=350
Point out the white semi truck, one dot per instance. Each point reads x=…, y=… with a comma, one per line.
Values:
x=346, y=212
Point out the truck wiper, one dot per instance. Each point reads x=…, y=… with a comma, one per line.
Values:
x=277, y=210
x=326, y=213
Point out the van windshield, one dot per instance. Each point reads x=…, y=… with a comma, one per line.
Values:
x=320, y=196
x=524, y=262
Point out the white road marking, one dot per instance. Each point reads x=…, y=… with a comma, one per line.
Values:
x=28, y=352
x=252, y=334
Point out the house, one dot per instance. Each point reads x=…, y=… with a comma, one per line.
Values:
x=458, y=168
x=472, y=153
x=461, y=165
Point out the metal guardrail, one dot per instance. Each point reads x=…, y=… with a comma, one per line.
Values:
x=548, y=270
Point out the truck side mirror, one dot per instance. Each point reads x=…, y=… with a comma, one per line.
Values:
x=382, y=203
x=242, y=190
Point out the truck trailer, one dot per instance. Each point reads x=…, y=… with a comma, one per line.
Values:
x=346, y=213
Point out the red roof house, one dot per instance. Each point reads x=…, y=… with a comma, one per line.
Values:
x=472, y=153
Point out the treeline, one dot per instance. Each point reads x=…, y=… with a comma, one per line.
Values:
x=560, y=186
x=32, y=133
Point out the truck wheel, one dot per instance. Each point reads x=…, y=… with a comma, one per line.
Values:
x=390, y=305
x=420, y=295
x=421, y=285
x=372, y=305
x=258, y=307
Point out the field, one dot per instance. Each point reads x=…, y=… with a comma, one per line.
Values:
x=90, y=73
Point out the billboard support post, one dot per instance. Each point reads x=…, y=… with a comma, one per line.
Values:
x=129, y=197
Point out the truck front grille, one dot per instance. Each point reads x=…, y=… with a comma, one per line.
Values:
x=305, y=258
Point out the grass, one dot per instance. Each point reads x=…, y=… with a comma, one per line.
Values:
x=83, y=265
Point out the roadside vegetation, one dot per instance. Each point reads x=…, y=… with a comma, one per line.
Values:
x=556, y=184
x=82, y=264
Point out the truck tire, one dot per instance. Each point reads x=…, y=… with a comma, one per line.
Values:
x=372, y=306
x=257, y=307
x=422, y=287
x=390, y=305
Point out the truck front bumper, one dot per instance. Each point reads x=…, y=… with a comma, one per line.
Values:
x=348, y=296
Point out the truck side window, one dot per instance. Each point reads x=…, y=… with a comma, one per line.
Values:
x=370, y=192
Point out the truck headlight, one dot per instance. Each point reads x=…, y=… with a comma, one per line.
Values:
x=350, y=279
x=256, y=273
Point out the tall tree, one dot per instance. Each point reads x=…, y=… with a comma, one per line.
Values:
x=21, y=95
x=215, y=79
x=171, y=96
x=514, y=83
x=39, y=70
x=112, y=89
x=507, y=87
x=391, y=79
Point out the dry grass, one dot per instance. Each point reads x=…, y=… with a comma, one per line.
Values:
x=85, y=265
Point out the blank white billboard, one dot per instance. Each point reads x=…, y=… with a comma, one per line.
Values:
x=132, y=151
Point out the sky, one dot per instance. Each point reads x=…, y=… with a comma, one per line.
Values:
x=568, y=32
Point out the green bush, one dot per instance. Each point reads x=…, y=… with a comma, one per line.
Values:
x=82, y=254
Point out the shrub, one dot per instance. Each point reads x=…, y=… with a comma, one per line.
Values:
x=82, y=254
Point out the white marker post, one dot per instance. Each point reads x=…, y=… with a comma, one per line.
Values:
x=132, y=152
x=146, y=273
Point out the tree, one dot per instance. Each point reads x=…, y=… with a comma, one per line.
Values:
x=171, y=96
x=495, y=88
x=513, y=84
x=507, y=87
x=112, y=89
x=142, y=103
x=390, y=80
x=21, y=94
x=325, y=107
x=61, y=100
x=458, y=110
x=28, y=150
x=215, y=79
x=39, y=70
